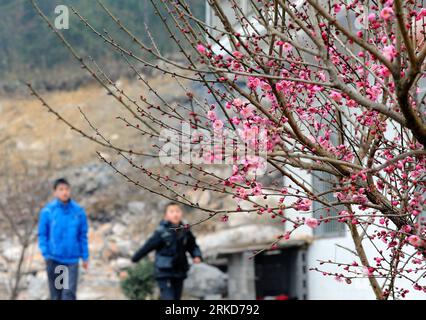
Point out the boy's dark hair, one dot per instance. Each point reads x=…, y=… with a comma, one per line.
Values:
x=171, y=204
x=60, y=181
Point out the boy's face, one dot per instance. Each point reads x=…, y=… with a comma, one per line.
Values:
x=63, y=192
x=173, y=214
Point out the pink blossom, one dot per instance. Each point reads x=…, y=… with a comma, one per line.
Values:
x=312, y=223
x=287, y=47
x=386, y=13
x=238, y=55
x=236, y=179
x=368, y=271
x=344, y=216
x=217, y=125
x=238, y=102
x=421, y=14
x=322, y=75
x=415, y=240
x=257, y=190
x=249, y=134
x=417, y=287
x=253, y=83
x=359, y=198
x=407, y=228
x=265, y=86
x=415, y=213
x=211, y=115
x=372, y=17
x=235, y=120
x=283, y=85
x=247, y=112
x=336, y=96
x=337, y=8
x=351, y=103
x=384, y=72
x=201, y=49
x=253, y=163
x=389, y=52
x=242, y=193
x=303, y=204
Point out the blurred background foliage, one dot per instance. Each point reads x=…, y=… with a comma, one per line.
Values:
x=139, y=283
x=28, y=48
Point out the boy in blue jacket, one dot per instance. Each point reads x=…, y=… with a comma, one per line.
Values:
x=62, y=238
x=171, y=241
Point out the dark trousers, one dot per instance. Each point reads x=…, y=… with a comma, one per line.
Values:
x=62, y=279
x=170, y=288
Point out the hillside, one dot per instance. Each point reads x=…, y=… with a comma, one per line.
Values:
x=30, y=51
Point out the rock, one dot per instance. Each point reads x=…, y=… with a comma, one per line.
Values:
x=96, y=241
x=111, y=251
x=91, y=178
x=119, y=229
x=35, y=262
x=100, y=285
x=213, y=297
x=136, y=207
x=205, y=281
x=104, y=228
x=90, y=294
x=123, y=275
x=201, y=197
x=205, y=198
x=122, y=263
x=3, y=288
x=125, y=248
x=128, y=218
x=109, y=291
x=10, y=251
x=37, y=288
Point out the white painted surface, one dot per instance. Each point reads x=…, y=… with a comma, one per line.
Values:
x=327, y=288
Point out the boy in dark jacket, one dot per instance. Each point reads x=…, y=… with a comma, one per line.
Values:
x=171, y=241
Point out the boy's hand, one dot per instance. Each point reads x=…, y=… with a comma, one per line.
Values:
x=86, y=265
x=197, y=260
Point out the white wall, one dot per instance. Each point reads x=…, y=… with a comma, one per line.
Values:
x=327, y=288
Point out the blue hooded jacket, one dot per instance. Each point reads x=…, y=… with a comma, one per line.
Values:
x=62, y=232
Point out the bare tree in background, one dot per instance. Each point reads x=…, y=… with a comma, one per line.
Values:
x=338, y=85
x=24, y=190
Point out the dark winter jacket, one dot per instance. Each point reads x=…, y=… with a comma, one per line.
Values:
x=171, y=246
